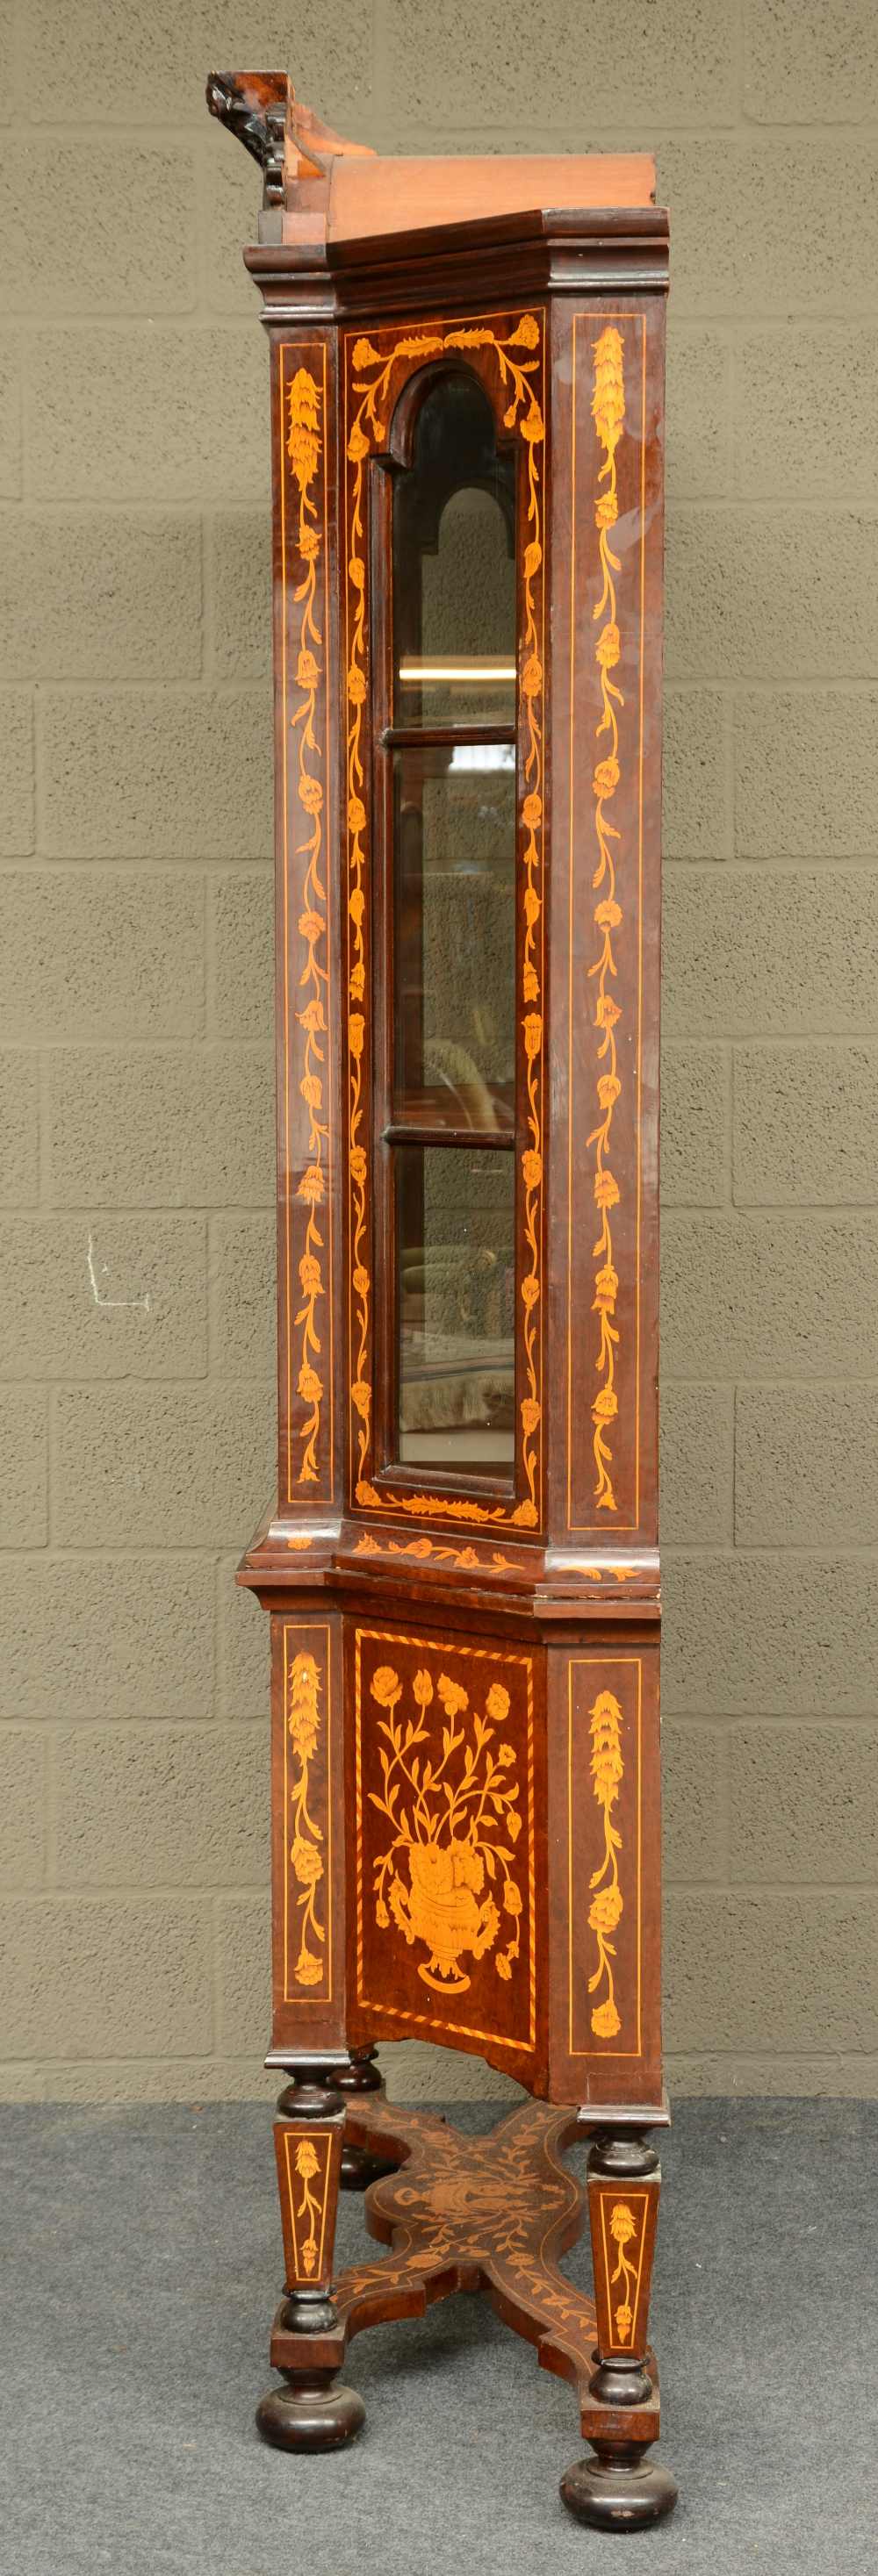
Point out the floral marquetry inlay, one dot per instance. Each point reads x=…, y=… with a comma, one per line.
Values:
x=605, y=1882
x=622, y=2244
x=307, y=2166
x=306, y=1859
x=446, y=1895
x=305, y=1007
x=608, y=413
x=607, y=1904
x=446, y=1878
x=514, y=356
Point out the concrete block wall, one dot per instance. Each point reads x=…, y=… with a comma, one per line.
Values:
x=135, y=984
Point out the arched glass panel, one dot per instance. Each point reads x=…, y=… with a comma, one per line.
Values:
x=454, y=566
x=450, y=803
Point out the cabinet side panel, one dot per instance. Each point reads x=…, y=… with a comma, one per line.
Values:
x=446, y=1883
x=604, y=1844
x=307, y=1821
x=303, y=443
x=605, y=914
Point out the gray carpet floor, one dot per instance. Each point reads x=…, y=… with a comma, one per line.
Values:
x=141, y=2268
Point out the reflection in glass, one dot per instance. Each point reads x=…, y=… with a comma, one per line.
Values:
x=455, y=1251
x=453, y=565
x=454, y=935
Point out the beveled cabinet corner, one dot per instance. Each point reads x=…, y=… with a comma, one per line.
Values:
x=462, y=1568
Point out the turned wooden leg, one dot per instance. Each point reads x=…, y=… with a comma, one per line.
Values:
x=621, y=2489
x=359, y=2166
x=312, y=2412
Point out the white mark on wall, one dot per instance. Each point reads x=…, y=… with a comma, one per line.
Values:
x=110, y=1305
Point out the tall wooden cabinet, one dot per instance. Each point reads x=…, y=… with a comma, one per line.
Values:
x=462, y=1570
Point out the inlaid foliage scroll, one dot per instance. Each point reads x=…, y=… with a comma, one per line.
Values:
x=612, y=1171
x=306, y=1033
x=307, y=1792
x=605, y=1878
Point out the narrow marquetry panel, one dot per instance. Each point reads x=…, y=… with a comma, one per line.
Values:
x=306, y=931
x=308, y=1907
x=605, y=1813
x=446, y=1766
x=623, y=2220
x=607, y=699
x=308, y=2166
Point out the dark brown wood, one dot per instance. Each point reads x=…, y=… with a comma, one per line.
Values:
x=312, y=2412
x=490, y=2215
x=620, y=2487
x=465, y=1656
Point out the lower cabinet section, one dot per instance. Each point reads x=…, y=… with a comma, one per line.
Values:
x=466, y=1847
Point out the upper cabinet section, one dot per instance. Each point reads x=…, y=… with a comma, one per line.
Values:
x=467, y=396
x=444, y=549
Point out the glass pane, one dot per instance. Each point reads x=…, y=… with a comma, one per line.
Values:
x=455, y=1235
x=454, y=566
x=454, y=935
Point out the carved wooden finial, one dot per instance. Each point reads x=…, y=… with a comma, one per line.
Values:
x=288, y=140
x=254, y=107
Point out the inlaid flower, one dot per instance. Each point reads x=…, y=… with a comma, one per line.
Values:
x=608, y=647
x=606, y=1909
x=385, y=1686
x=309, y=1275
x=452, y=1695
x=497, y=1705
x=606, y=1288
x=306, y=1861
x=623, y=2224
x=308, y=1970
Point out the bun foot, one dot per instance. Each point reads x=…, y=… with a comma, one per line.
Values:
x=313, y=2413
x=619, y=2490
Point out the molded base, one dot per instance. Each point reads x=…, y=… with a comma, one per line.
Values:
x=310, y=2415
x=618, y=2495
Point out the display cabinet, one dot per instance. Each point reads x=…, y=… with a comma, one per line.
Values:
x=462, y=1569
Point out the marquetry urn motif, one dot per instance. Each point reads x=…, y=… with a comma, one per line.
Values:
x=446, y=1881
